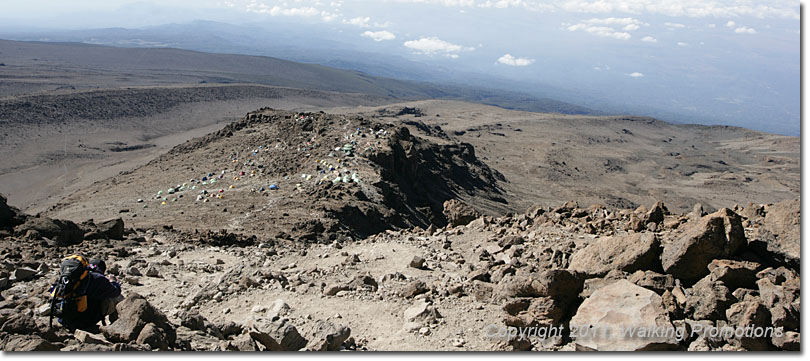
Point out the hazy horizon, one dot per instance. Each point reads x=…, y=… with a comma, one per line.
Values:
x=715, y=62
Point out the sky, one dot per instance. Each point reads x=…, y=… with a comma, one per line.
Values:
x=730, y=62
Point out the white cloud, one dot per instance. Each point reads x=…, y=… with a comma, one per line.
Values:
x=262, y=8
x=687, y=8
x=379, y=35
x=681, y=43
x=360, y=21
x=712, y=26
x=649, y=39
x=604, y=27
x=731, y=24
x=635, y=75
x=433, y=46
x=631, y=27
x=745, y=30
x=674, y=25
x=508, y=59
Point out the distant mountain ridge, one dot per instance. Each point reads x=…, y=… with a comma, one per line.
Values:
x=168, y=66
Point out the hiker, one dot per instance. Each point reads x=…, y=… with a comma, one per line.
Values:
x=83, y=295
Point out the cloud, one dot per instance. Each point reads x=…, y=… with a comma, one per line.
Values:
x=687, y=8
x=603, y=31
x=379, y=35
x=731, y=24
x=635, y=75
x=674, y=25
x=649, y=39
x=262, y=8
x=604, y=27
x=681, y=43
x=712, y=26
x=745, y=30
x=358, y=21
x=435, y=46
x=508, y=59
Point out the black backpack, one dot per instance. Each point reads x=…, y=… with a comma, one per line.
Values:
x=69, y=298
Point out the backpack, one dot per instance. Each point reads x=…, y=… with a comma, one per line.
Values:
x=69, y=296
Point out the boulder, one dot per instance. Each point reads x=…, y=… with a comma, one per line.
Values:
x=459, y=213
x=329, y=336
x=656, y=213
x=782, y=301
x=89, y=338
x=63, y=233
x=789, y=341
x=134, y=313
x=734, y=274
x=20, y=323
x=417, y=262
x=243, y=342
x=560, y=284
x=708, y=300
x=27, y=343
x=656, y=282
x=154, y=337
x=778, y=239
x=716, y=235
x=629, y=253
x=421, y=312
x=278, y=335
x=618, y=307
x=24, y=274
x=112, y=228
x=749, y=312
x=534, y=312
x=414, y=288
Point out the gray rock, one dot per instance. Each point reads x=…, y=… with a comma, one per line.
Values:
x=708, y=300
x=329, y=336
x=716, y=235
x=278, y=335
x=112, y=228
x=616, y=307
x=417, y=262
x=628, y=253
x=24, y=274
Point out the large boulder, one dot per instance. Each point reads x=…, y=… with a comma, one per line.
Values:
x=605, y=320
x=459, y=213
x=63, y=233
x=27, y=343
x=734, y=274
x=328, y=336
x=134, y=314
x=717, y=235
x=276, y=335
x=708, y=300
x=778, y=239
x=749, y=312
x=560, y=284
x=628, y=253
x=112, y=228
